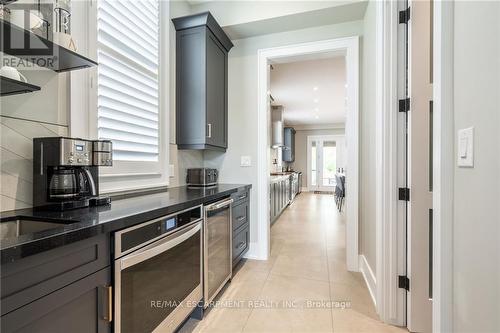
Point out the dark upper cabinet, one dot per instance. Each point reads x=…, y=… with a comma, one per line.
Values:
x=201, y=82
x=289, y=149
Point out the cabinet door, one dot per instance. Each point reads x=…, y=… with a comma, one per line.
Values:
x=285, y=196
x=287, y=153
x=271, y=202
x=216, y=69
x=190, y=87
x=276, y=199
x=282, y=193
x=81, y=307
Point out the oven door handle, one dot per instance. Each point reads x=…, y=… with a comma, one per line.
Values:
x=219, y=205
x=159, y=246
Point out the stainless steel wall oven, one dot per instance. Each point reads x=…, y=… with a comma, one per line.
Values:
x=158, y=272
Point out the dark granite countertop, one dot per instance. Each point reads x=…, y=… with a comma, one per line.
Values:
x=83, y=223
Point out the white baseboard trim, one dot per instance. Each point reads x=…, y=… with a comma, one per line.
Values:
x=252, y=254
x=369, y=277
x=304, y=189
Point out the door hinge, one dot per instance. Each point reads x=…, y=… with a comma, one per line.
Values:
x=404, y=194
x=404, y=105
x=404, y=16
x=404, y=282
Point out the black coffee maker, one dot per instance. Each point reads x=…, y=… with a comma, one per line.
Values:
x=66, y=174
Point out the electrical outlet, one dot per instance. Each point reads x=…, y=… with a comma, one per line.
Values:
x=171, y=171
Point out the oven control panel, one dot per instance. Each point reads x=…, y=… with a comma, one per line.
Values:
x=129, y=239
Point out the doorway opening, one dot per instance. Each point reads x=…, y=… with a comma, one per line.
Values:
x=349, y=48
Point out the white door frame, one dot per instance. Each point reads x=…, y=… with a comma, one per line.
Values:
x=310, y=138
x=349, y=45
x=390, y=303
x=390, y=300
x=443, y=169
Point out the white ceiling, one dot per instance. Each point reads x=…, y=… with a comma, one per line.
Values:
x=312, y=92
x=248, y=18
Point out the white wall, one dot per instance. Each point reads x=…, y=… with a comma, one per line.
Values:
x=367, y=241
x=300, y=163
x=24, y=117
x=476, y=221
x=180, y=159
x=16, y=159
x=243, y=103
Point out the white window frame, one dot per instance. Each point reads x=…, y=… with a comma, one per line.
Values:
x=133, y=175
x=339, y=142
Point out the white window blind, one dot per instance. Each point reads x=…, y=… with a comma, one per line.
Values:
x=128, y=78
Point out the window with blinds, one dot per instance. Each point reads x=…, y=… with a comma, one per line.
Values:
x=128, y=78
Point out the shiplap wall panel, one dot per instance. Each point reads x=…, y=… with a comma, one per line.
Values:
x=16, y=142
x=7, y=203
x=16, y=159
x=14, y=164
x=16, y=188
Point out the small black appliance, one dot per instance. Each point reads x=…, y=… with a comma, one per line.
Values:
x=66, y=174
x=202, y=177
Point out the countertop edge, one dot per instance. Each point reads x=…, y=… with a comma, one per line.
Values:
x=22, y=250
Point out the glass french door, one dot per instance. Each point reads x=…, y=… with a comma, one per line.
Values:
x=323, y=164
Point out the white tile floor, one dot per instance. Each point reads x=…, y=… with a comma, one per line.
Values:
x=307, y=263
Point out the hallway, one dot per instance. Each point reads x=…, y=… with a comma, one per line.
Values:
x=307, y=263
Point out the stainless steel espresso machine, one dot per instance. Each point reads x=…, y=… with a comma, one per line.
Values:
x=66, y=172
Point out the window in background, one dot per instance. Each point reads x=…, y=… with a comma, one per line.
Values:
x=128, y=78
x=314, y=157
x=329, y=163
x=131, y=45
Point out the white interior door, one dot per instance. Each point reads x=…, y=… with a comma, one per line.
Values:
x=419, y=117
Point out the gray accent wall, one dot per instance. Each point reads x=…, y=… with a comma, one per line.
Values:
x=476, y=202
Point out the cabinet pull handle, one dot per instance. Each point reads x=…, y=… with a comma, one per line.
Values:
x=110, y=304
x=209, y=129
x=242, y=197
x=241, y=218
x=240, y=245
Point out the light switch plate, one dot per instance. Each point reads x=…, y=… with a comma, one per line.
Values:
x=465, y=148
x=171, y=171
x=246, y=161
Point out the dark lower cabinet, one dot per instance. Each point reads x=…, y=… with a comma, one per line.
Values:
x=36, y=276
x=241, y=224
x=279, y=196
x=66, y=289
x=81, y=307
x=240, y=244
